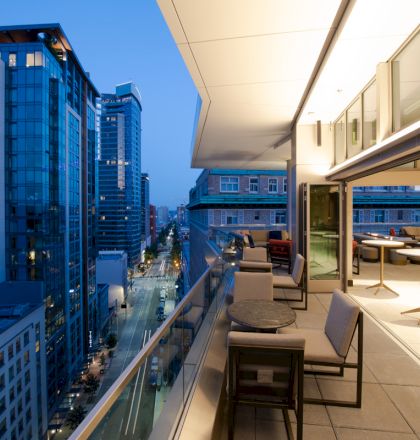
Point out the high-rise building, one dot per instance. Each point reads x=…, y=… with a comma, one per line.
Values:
x=153, y=223
x=162, y=215
x=49, y=155
x=181, y=216
x=119, y=176
x=145, y=208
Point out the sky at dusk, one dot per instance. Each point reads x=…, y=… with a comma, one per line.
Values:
x=128, y=40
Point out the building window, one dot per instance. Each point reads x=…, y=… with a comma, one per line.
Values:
x=10, y=352
x=257, y=215
x=18, y=345
x=253, y=185
x=400, y=214
x=11, y=373
x=340, y=139
x=229, y=184
x=2, y=382
x=356, y=216
x=354, y=128
x=285, y=185
x=12, y=60
x=369, y=116
x=280, y=217
x=232, y=217
x=26, y=357
x=379, y=216
x=27, y=377
x=417, y=216
x=272, y=186
x=405, y=74
x=1, y=358
x=26, y=339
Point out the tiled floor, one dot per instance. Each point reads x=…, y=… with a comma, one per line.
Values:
x=391, y=393
x=386, y=307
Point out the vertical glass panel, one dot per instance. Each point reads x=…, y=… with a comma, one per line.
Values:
x=324, y=244
x=39, y=58
x=369, y=116
x=30, y=59
x=354, y=128
x=406, y=85
x=340, y=140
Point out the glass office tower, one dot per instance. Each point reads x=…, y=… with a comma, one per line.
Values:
x=49, y=154
x=119, y=215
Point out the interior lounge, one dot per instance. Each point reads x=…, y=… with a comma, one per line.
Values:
x=323, y=344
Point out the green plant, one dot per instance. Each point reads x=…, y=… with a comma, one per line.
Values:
x=91, y=384
x=75, y=416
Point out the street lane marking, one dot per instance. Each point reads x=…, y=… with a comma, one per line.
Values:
x=135, y=387
x=141, y=390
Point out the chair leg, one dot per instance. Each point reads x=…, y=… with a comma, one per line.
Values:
x=288, y=425
x=231, y=419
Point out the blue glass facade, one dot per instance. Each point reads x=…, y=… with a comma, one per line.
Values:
x=119, y=178
x=145, y=207
x=50, y=144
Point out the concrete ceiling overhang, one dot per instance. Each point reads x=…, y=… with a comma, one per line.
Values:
x=257, y=66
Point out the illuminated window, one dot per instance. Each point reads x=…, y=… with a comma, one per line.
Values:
x=272, y=186
x=30, y=59
x=12, y=60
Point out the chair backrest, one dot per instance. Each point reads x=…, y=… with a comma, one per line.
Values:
x=253, y=286
x=298, y=268
x=274, y=235
x=266, y=364
x=341, y=322
x=279, y=248
x=284, y=235
x=255, y=254
x=259, y=235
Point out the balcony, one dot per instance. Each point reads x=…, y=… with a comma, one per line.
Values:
x=183, y=367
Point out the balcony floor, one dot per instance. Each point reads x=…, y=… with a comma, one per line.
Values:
x=391, y=391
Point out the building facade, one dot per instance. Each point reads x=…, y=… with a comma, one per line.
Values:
x=153, y=233
x=162, y=215
x=119, y=175
x=23, y=399
x=233, y=198
x=145, y=208
x=49, y=155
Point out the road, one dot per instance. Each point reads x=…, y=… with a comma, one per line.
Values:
x=132, y=416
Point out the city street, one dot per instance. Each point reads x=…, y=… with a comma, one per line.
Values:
x=133, y=327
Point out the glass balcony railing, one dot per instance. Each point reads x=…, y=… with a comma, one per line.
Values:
x=148, y=398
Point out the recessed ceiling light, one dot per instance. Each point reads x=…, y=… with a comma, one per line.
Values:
x=339, y=90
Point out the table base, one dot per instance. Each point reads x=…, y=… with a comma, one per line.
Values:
x=379, y=285
x=416, y=310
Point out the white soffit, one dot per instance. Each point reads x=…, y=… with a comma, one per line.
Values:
x=251, y=61
x=374, y=30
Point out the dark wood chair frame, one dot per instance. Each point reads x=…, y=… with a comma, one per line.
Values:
x=297, y=368
x=357, y=365
x=303, y=292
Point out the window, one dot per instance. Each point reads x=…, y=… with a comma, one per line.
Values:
x=18, y=345
x=26, y=338
x=340, y=140
x=12, y=60
x=253, y=184
x=400, y=214
x=11, y=373
x=27, y=395
x=354, y=128
x=19, y=386
x=369, y=116
x=26, y=357
x=272, y=186
x=1, y=358
x=405, y=95
x=280, y=217
x=27, y=377
x=12, y=394
x=30, y=59
x=356, y=216
x=18, y=366
x=10, y=351
x=379, y=215
x=232, y=217
x=285, y=185
x=417, y=216
x=229, y=184
x=256, y=215
x=2, y=382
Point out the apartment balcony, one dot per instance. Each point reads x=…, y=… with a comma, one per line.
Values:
x=176, y=386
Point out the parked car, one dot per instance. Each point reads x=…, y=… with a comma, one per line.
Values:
x=154, y=370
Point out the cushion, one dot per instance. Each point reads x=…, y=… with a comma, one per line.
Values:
x=255, y=254
x=253, y=286
x=341, y=322
x=255, y=266
x=318, y=347
x=298, y=268
x=266, y=340
x=284, y=235
x=260, y=235
x=285, y=281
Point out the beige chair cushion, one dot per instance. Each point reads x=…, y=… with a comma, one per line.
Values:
x=318, y=347
x=341, y=322
x=298, y=267
x=255, y=266
x=260, y=235
x=255, y=254
x=253, y=286
x=266, y=340
x=284, y=281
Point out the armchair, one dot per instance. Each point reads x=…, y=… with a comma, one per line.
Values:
x=329, y=347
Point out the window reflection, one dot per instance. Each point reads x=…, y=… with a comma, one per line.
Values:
x=354, y=138
x=406, y=85
x=369, y=116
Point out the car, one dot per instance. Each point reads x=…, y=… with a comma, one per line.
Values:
x=161, y=317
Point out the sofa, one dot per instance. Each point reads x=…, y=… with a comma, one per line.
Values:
x=411, y=231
